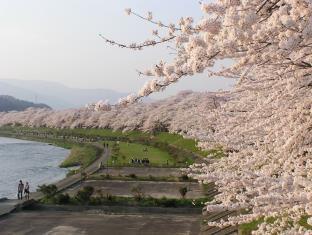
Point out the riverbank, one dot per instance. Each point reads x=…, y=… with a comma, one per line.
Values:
x=33, y=162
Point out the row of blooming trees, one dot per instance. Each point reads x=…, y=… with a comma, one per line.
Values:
x=264, y=123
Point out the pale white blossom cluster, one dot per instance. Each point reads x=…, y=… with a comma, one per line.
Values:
x=99, y=106
x=264, y=124
x=253, y=33
x=177, y=114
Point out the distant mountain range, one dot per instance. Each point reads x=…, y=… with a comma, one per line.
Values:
x=54, y=94
x=9, y=103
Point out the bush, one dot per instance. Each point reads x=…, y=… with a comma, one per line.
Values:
x=62, y=199
x=48, y=191
x=183, y=191
x=137, y=193
x=133, y=176
x=184, y=177
x=84, y=195
x=110, y=197
x=167, y=202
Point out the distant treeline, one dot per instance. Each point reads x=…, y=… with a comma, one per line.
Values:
x=9, y=103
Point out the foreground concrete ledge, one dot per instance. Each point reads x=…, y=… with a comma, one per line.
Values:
x=9, y=206
x=102, y=209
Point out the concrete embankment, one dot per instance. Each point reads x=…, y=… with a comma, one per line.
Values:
x=9, y=206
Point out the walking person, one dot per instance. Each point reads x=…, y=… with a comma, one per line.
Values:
x=26, y=191
x=20, y=190
x=100, y=165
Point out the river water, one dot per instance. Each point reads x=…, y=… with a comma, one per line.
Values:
x=29, y=161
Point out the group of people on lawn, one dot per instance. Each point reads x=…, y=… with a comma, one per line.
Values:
x=144, y=161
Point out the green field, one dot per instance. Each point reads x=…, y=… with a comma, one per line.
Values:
x=123, y=152
x=179, y=141
x=162, y=145
x=109, y=134
x=81, y=156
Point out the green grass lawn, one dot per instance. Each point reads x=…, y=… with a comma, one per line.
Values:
x=165, y=137
x=81, y=156
x=133, y=136
x=181, y=150
x=179, y=141
x=135, y=150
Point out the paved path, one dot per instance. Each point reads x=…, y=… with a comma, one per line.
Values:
x=95, y=223
x=93, y=168
x=8, y=206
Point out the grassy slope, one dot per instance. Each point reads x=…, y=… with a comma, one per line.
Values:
x=179, y=149
x=81, y=155
x=134, y=150
x=173, y=139
x=179, y=141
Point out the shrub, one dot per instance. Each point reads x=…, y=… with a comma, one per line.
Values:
x=167, y=202
x=137, y=193
x=62, y=199
x=83, y=196
x=183, y=191
x=99, y=193
x=133, y=176
x=48, y=191
x=110, y=197
x=184, y=177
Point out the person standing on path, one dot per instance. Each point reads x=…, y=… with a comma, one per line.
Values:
x=20, y=190
x=26, y=191
x=100, y=165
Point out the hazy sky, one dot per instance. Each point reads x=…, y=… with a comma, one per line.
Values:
x=57, y=40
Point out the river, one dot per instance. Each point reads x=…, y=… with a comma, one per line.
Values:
x=29, y=161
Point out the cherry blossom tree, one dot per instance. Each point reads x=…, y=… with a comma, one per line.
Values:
x=266, y=127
